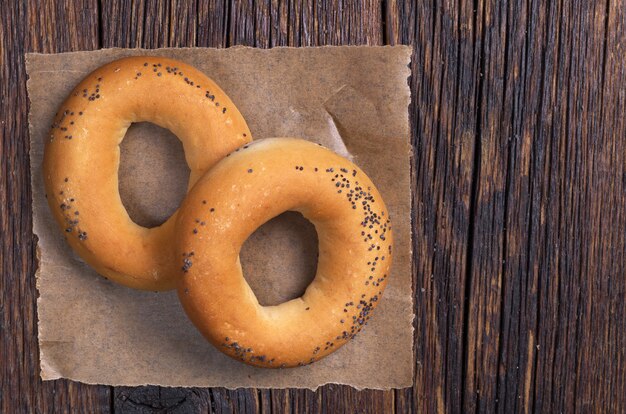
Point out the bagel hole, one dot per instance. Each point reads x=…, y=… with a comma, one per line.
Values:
x=153, y=173
x=279, y=260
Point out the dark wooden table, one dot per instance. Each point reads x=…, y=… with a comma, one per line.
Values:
x=519, y=129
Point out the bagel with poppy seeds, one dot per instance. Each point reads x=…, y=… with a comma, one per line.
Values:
x=81, y=159
x=240, y=193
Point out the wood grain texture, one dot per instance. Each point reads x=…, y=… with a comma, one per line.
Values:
x=69, y=27
x=519, y=188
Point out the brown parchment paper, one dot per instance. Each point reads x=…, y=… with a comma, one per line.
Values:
x=353, y=100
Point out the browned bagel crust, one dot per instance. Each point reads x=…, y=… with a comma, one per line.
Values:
x=82, y=157
x=239, y=194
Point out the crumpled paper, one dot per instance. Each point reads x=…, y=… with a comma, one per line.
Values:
x=353, y=100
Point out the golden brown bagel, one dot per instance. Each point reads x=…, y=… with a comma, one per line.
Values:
x=82, y=157
x=245, y=190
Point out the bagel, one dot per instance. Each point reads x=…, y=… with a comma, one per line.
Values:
x=81, y=159
x=245, y=190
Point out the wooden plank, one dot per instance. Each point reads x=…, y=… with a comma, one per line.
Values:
x=447, y=40
x=212, y=23
x=279, y=23
x=484, y=278
x=234, y=401
x=337, y=398
x=608, y=363
x=64, y=26
x=119, y=25
x=184, y=22
x=541, y=263
x=241, y=24
x=597, y=144
x=161, y=399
